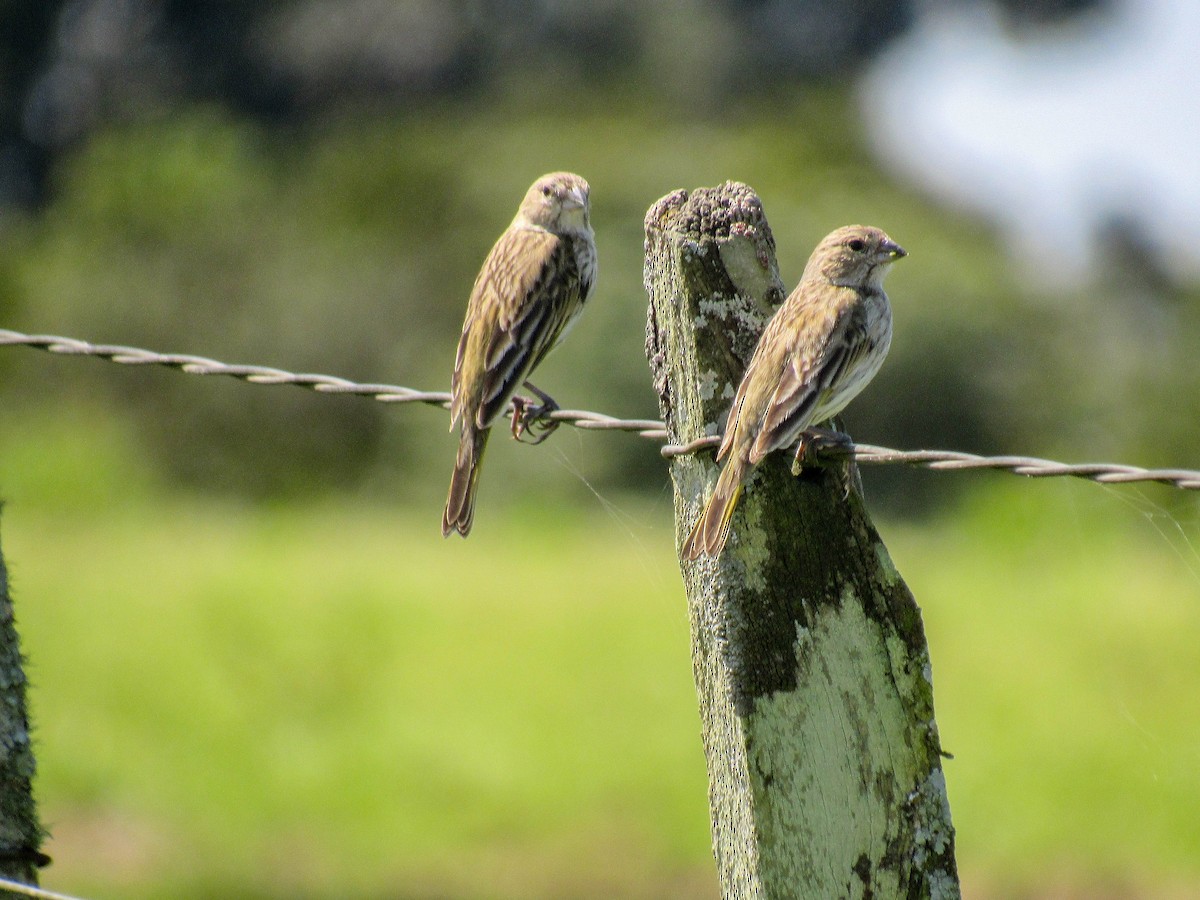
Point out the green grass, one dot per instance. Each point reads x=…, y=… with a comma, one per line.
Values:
x=333, y=701
x=1063, y=620
x=347, y=697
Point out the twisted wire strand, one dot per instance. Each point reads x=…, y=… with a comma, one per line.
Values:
x=651, y=429
x=1031, y=466
x=324, y=384
x=28, y=890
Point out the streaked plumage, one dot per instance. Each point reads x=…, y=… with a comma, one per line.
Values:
x=532, y=286
x=820, y=349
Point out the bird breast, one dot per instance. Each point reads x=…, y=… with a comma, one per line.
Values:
x=584, y=246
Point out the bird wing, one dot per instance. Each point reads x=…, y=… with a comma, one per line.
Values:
x=524, y=295
x=735, y=415
x=769, y=363
x=817, y=365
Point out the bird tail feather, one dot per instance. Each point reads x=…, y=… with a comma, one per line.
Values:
x=460, y=504
x=712, y=530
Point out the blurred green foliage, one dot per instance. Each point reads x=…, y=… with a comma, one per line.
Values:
x=350, y=247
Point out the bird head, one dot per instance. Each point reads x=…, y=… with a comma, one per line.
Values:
x=557, y=202
x=854, y=256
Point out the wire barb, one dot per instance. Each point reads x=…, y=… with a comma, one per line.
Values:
x=651, y=429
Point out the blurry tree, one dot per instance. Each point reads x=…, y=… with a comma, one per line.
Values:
x=851, y=31
x=26, y=28
x=312, y=185
x=70, y=66
x=1029, y=14
x=200, y=236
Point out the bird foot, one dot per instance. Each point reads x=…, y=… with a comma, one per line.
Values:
x=816, y=445
x=532, y=418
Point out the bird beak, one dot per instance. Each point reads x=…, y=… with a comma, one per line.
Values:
x=892, y=251
x=575, y=199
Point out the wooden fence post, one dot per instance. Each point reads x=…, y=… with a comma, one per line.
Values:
x=20, y=832
x=808, y=650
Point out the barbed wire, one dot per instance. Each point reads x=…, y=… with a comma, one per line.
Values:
x=651, y=429
x=323, y=384
x=29, y=890
x=945, y=460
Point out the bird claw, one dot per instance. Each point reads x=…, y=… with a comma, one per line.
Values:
x=533, y=420
x=817, y=445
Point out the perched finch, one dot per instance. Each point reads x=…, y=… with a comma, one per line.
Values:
x=532, y=286
x=820, y=349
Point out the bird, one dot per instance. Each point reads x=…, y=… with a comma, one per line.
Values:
x=819, y=350
x=530, y=290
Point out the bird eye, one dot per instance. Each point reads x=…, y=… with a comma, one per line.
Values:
x=547, y=191
x=856, y=245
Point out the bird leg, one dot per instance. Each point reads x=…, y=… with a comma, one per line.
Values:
x=816, y=445
x=826, y=446
x=532, y=420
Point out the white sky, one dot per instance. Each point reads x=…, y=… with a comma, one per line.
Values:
x=1049, y=134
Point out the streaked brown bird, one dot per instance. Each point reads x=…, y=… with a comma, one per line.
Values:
x=533, y=284
x=820, y=349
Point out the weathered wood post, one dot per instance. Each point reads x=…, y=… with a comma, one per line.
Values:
x=20, y=831
x=808, y=650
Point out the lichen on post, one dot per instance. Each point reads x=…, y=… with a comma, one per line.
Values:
x=808, y=649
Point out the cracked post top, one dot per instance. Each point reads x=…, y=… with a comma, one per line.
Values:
x=728, y=209
x=730, y=216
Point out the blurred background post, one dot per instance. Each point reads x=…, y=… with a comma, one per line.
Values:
x=20, y=831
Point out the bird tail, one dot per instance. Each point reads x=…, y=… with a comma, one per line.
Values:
x=711, y=531
x=460, y=504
